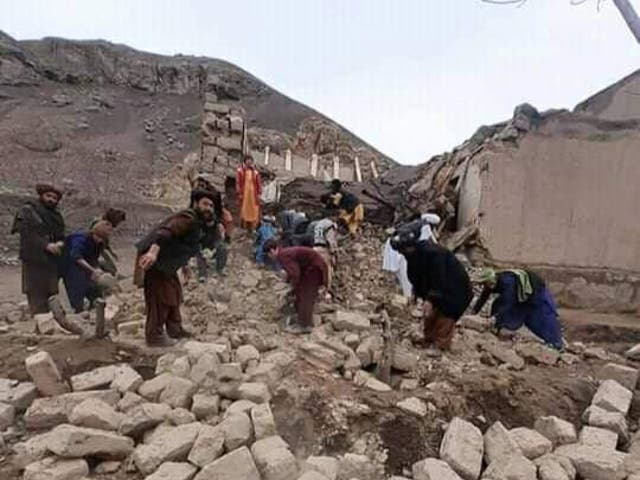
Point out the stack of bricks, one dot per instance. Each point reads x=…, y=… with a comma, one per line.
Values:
x=224, y=139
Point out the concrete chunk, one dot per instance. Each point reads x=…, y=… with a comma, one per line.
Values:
x=94, y=413
x=462, y=448
x=613, y=397
x=74, y=442
x=498, y=443
x=205, y=370
x=433, y=469
x=559, y=431
x=173, y=471
x=532, y=444
x=236, y=465
x=56, y=469
x=94, y=379
x=44, y=373
x=172, y=445
x=208, y=446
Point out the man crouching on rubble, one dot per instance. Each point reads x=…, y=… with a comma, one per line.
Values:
x=441, y=281
x=523, y=299
x=161, y=254
x=306, y=272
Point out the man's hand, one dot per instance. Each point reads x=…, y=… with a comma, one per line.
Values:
x=148, y=260
x=95, y=274
x=54, y=248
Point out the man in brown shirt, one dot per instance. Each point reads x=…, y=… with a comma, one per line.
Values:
x=166, y=249
x=306, y=272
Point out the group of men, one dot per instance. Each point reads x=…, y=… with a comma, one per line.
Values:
x=306, y=252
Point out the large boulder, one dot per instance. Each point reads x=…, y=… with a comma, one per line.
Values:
x=462, y=448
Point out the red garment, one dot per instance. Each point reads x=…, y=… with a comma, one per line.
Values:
x=257, y=186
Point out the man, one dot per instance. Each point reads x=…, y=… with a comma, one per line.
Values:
x=41, y=229
x=523, y=299
x=306, y=272
x=80, y=264
x=109, y=257
x=264, y=232
x=294, y=229
x=216, y=239
x=248, y=190
x=441, y=281
x=350, y=209
x=166, y=249
x=324, y=233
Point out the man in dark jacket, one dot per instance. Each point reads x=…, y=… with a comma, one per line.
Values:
x=41, y=229
x=166, y=249
x=306, y=272
x=441, y=281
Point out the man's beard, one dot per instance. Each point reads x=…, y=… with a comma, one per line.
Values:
x=205, y=215
x=50, y=205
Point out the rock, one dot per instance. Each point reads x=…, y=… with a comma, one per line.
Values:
x=7, y=415
x=558, y=431
x=625, y=376
x=181, y=367
x=238, y=431
x=555, y=467
x=351, y=321
x=404, y=360
x=356, y=466
x=475, y=322
x=129, y=328
x=633, y=353
x=321, y=357
x=613, y=397
x=598, y=438
x=178, y=392
x=205, y=371
x=327, y=466
x=51, y=411
x=126, y=379
x=274, y=460
x=107, y=467
x=45, y=323
x=94, y=413
x=538, y=353
x=205, y=406
x=196, y=349
x=57, y=469
x=370, y=350
x=236, y=465
x=173, y=471
x=264, y=425
x=596, y=352
x=498, y=444
x=532, y=444
x=511, y=467
x=408, y=384
x=239, y=406
x=432, y=469
x=462, y=448
x=229, y=372
x=614, y=421
x=245, y=353
x=267, y=373
x=254, y=391
x=130, y=400
x=75, y=442
x=45, y=374
x=94, y=379
x=144, y=417
x=312, y=475
x=172, y=445
x=31, y=450
x=208, y=446
x=505, y=355
x=181, y=416
x=151, y=389
x=594, y=463
x=20, y=395
x=413, y=405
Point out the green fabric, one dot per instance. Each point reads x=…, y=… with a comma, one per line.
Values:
x=525, y=289
x=487, y=275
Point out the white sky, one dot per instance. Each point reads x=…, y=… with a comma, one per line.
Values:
x=411, y=77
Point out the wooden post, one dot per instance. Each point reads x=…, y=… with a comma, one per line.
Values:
x=267, y=150
x=100, y=320
x=314, y=165
x=374, y=170
x=356, y=161
x=287, y=160
x=336, y=167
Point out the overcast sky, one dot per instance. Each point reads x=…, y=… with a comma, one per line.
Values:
x=412, y=77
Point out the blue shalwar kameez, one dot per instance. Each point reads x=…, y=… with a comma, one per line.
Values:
x=77, y=280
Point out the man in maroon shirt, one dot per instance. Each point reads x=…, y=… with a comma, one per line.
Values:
x=306, y=272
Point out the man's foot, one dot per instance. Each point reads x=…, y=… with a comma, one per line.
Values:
x=298, y=330
x=161, y=342
x=181, y=334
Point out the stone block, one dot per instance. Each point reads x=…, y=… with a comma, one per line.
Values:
x=219, y=108
x=31, y=450
x=7, y=416
x=598, y=438
x=57, y=469
x=129, y=328
x=267, y=373
x=238, y=431
x=613, y=397
x=498, y=444
x=356, y=466
x=51, y=411
x=178, y=392
x=594, y=463
x=239, y=406
x=126, y=379
x=181, y=367
x=229, y=372
x=558, y=431
x=229, y=143
x=173, y=471
x=130, y=400
x=475, y=322
x=625, y=376
x=172, y=445
x=404, y=360
x=321, y=357
x=351, y=321
x=18, y=394
x=601, y=418
x=151, y=389
x=209, y=445
x=433, y=469
x=144, y=417
x=245, y=353
x=532, y=444
x=236, y=465
x=254, y=391
x=45, y=374
x=511, y=467
x=93, y=380
x=75, y=442
x=312, y=475
x=555, y=467
x=413, y=405
x=327, y=466
x=94, y=413
x=462, y=448
x=633, y=353
x=45, y=323
x=195, y=350
x=274, y=461
x=205, y=405
x=205, y=370
x=236, y=123
x=538, y=353
x=180, y=416
x=264, y=425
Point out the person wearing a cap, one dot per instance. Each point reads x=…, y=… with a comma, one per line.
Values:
x=441, y=281
x=41, y=228
x=522, y=299
x=350, y=209
x=161, y=253
x=216, y=239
